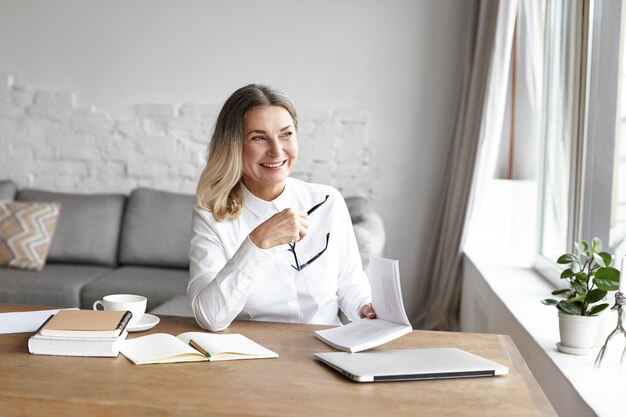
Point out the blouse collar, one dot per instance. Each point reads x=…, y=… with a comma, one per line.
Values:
x=261, y=207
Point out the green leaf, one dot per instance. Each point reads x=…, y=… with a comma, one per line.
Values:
x=559, y=292
x=582, y=277
x=579, y=297
x=595, y=295
x=583, y=247
x=599, y=260
x=596, y=245
x=567, y=258
x=549, y=302
x=569, y=308
x=607, y=279
x=568, y=273
x=607, y=257
x=579, y=283
x=596, y=309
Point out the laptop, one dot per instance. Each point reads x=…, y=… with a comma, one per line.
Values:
x=410, y=364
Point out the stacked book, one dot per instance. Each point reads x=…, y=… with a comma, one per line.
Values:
x=81, y=333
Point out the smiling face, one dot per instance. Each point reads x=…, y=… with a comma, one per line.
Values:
x=270, y=150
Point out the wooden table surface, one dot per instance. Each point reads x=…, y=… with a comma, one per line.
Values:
x=294, y=385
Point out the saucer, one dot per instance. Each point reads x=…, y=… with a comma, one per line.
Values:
x=148, y=321
x=573, y=351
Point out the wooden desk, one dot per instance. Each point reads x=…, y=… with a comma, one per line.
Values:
x=293, y=385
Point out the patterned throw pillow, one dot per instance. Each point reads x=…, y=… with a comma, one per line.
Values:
x=26, y=231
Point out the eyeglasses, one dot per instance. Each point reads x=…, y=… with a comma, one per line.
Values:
x=292, y=246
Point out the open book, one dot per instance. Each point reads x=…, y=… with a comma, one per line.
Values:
x=391, y=321
x=192, y=347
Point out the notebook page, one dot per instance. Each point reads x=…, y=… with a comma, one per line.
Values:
x=384, y=275
x=360, y=331
x=225, y=343
x=156, y=347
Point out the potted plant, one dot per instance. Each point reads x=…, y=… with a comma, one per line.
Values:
x=590, y=277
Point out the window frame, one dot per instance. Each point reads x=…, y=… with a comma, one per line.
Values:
x=593, y=142
x=601, y=115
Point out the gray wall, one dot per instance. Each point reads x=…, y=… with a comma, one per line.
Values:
x=400, y=61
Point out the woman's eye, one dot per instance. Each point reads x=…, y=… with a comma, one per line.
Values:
x=287, y=135
x=257, y=138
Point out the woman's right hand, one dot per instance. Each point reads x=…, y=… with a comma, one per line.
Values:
x=285, y=227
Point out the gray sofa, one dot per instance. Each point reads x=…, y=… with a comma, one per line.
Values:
x=137, y=243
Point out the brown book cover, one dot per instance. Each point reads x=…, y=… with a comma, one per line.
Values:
x=86, y=323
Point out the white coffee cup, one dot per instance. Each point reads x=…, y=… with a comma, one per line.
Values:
x=136, y=304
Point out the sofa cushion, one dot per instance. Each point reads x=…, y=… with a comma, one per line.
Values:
x=177, y=306
x=7, y=190
x=26, y=230
x=57, y=285
x=157, y=284
x=157, y=229
x=88, y=229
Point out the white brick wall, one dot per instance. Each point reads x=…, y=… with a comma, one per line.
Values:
x=50, y=142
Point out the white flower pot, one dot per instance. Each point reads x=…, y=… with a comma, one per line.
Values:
x=606, y=324
x=578, y=332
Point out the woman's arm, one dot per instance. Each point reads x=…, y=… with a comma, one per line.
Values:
x=354, y=292
x=218, y=285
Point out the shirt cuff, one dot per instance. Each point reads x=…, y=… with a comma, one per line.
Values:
x=354, y=314
x=252, y=260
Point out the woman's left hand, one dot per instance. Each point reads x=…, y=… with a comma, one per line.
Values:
x=367, y=311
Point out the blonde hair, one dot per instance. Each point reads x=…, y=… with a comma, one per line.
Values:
x=219, y=187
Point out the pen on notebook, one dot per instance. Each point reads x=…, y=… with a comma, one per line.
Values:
x=199, y=348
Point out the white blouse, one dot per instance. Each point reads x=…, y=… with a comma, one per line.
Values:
x=231, y=278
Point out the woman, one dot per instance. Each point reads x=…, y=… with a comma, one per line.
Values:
x=265, y=246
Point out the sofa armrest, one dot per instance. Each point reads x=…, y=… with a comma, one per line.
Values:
x=8, y=189
x=368, y=228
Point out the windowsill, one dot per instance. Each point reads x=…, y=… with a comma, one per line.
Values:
x=501, y=294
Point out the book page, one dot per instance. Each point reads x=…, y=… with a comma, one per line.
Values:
x=360, y=332
x=76, y=339
x=217, y=344
x=391, y=321
x=384, y=276
x=159, y=348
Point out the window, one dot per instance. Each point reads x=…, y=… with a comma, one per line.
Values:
x=559, y=145
x=617, y=234
x=580, y=100
x=562, y=95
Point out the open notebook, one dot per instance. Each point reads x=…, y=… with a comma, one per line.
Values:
x=192, y=347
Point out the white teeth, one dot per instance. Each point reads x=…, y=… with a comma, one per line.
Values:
x=276, y=165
